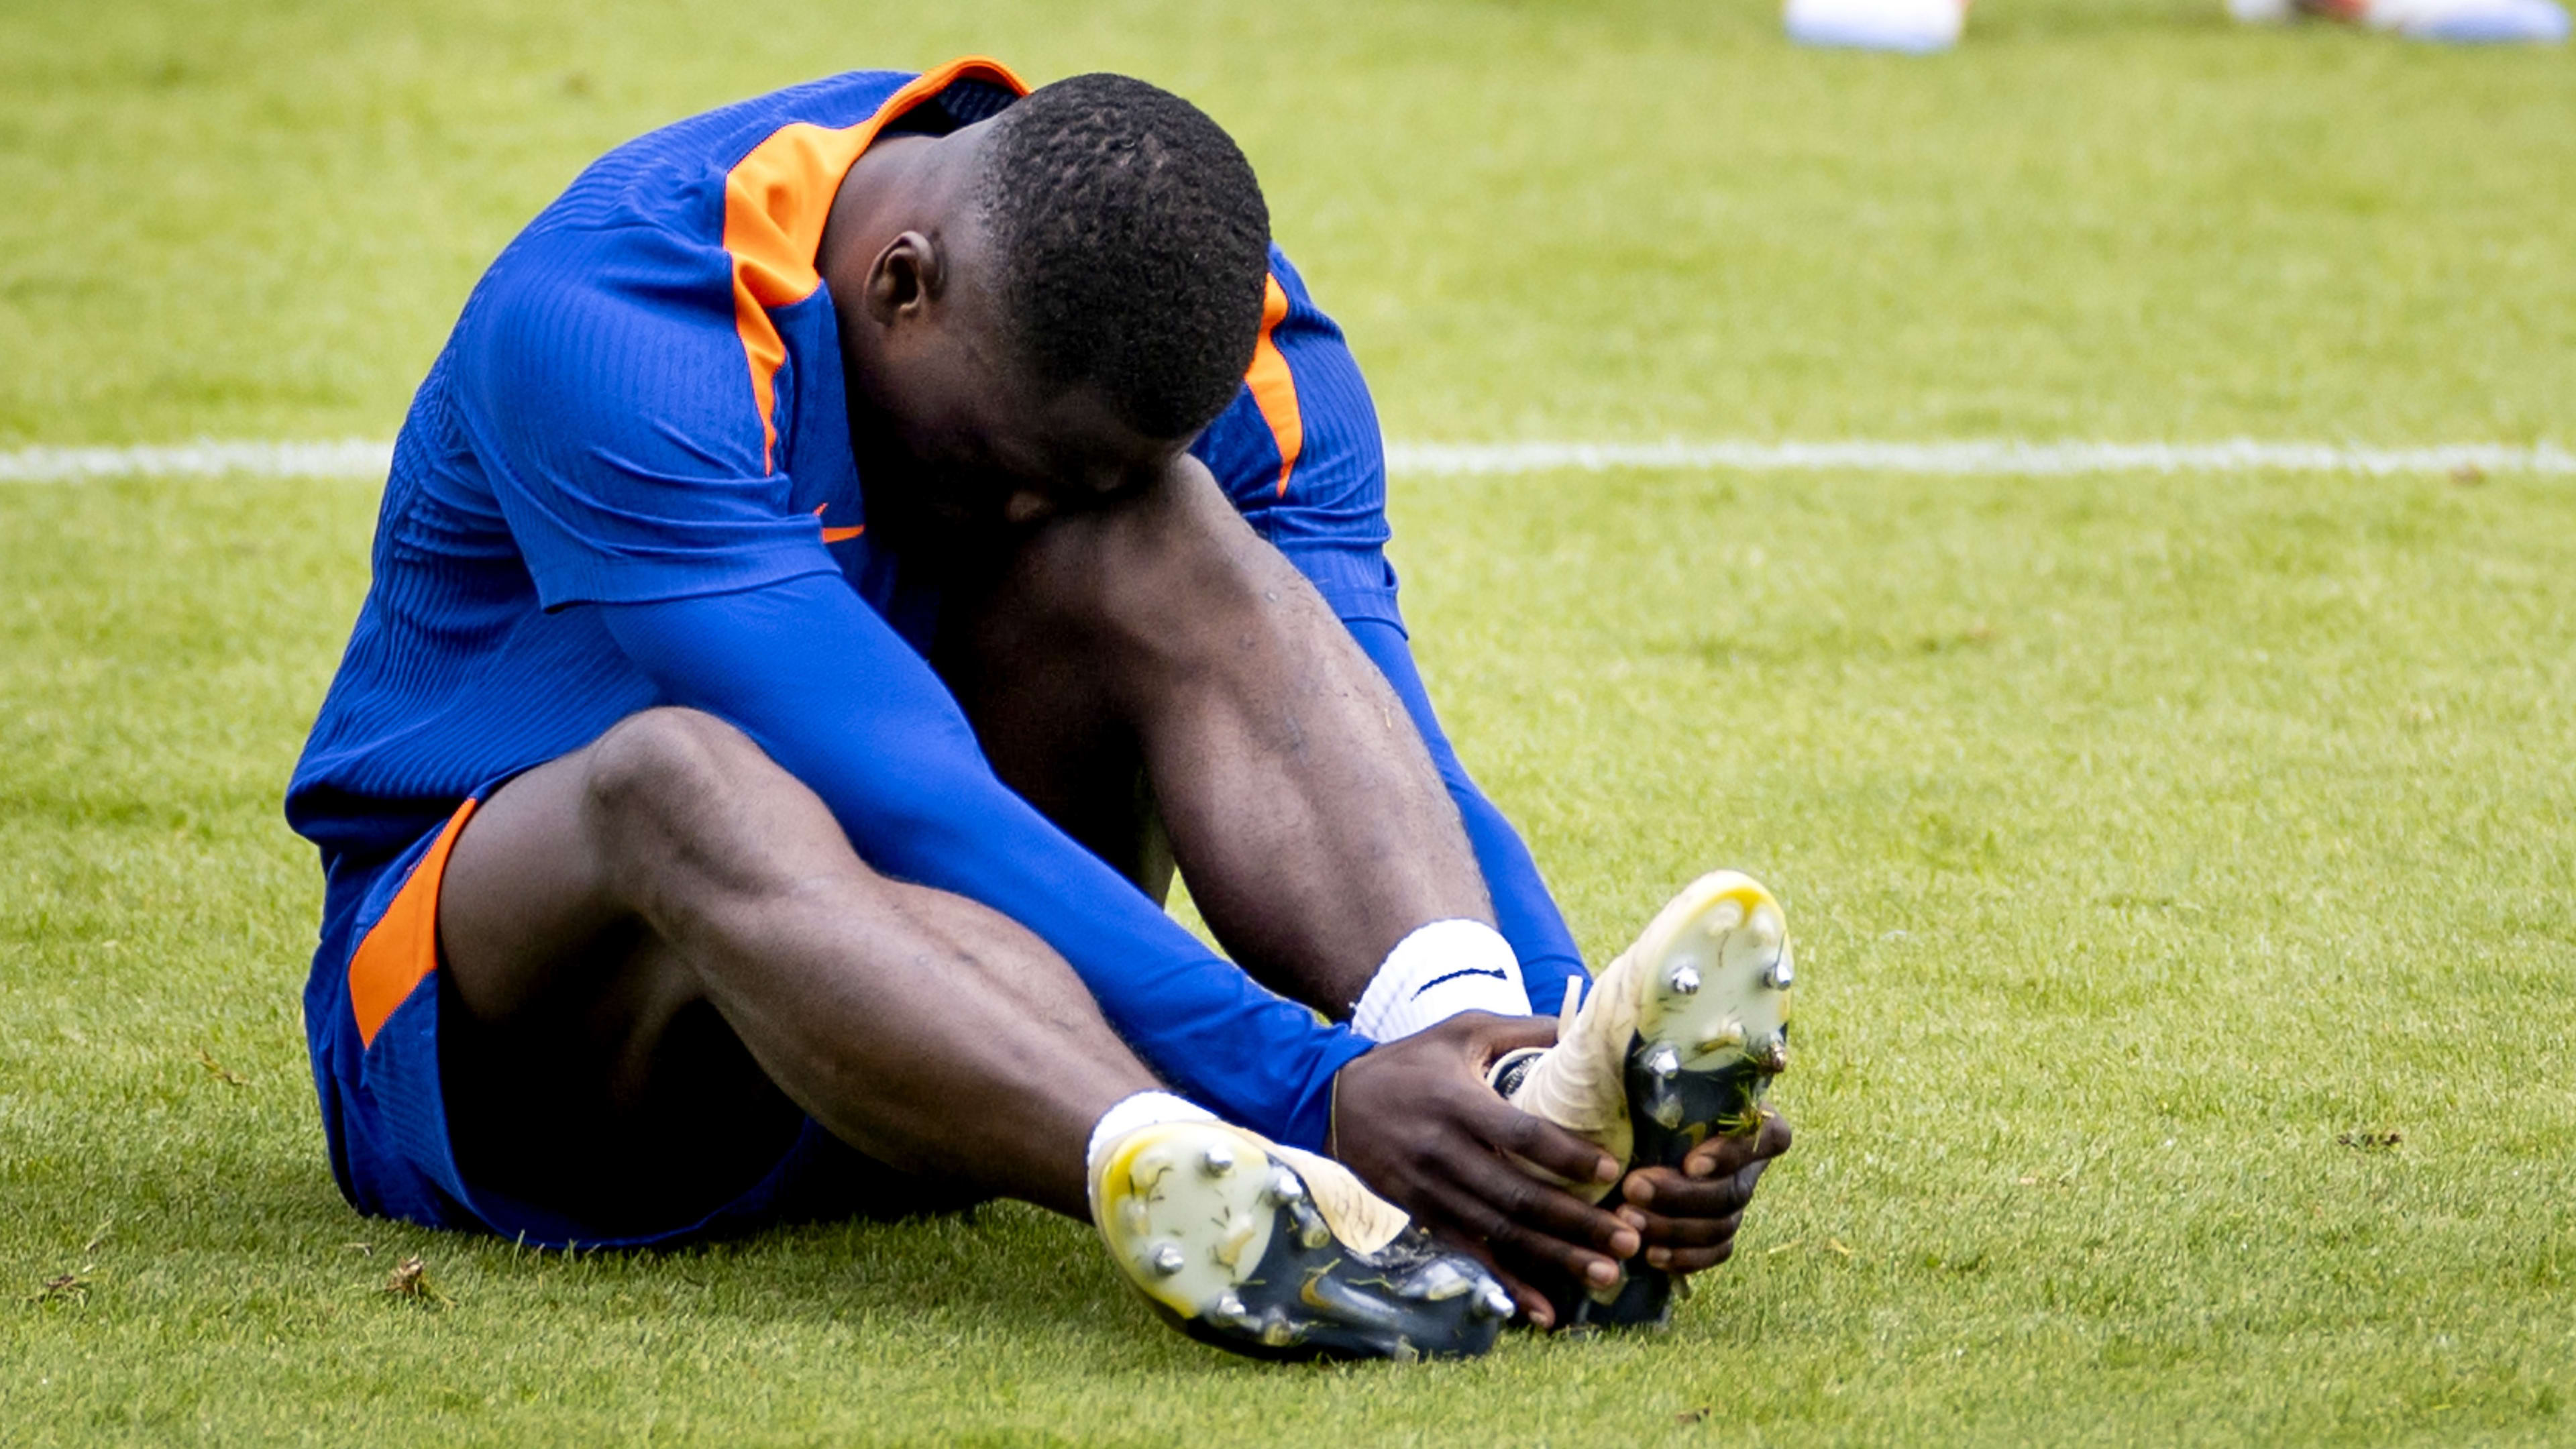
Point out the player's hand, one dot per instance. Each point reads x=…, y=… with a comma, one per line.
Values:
x=1415, y=1119
x=1688, y=1217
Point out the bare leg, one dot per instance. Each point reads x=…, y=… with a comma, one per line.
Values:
x=1299, y=800
x=664, y=953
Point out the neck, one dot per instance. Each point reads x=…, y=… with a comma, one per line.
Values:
x=881, y=196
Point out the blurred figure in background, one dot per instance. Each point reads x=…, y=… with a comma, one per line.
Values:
x=1922, y=26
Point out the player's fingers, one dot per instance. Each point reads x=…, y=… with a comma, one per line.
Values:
x=1775, y=1136
x=1482, y=1220
x=1736, y=1189
x=1533, y=1304
x=1576, y=1263
x=1725, y=1156
x=1528, y=1203
x=1721, y=1156
x=1670, y=1233
x=1496, y=1035
x=1542, y=1142
x=1683, y=1262
x=1663, y=1191
x=1551, y=1210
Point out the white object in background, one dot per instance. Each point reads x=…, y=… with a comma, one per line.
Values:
x=1915, y=26
x=2465, y=22
x=2470, y=22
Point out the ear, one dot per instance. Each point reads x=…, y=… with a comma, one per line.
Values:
x=905, y=280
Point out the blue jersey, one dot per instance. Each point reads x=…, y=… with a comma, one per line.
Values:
x=642, y=403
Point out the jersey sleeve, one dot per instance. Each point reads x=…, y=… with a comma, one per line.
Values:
x=600, y=383
x=885, y=746
x=1300, y=454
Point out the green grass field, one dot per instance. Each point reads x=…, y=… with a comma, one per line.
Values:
x=2182, y=865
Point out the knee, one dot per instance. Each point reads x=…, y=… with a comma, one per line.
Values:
x=1172, y=590
x=1186, y=589
x=663, y=772
x=683, y=810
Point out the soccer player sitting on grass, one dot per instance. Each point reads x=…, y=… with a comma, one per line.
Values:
x=853, y=544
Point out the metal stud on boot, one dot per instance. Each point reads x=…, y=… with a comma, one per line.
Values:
x=1221, y=1234
x=1679, y=1042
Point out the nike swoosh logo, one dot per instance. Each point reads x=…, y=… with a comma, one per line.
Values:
x=1454, y=975
x=837, y=535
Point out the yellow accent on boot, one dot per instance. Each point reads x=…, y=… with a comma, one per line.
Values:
x=1709, y=976
x=1187, y=1209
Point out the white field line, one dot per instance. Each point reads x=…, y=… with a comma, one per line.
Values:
x=1981, y=457
x=347, y=458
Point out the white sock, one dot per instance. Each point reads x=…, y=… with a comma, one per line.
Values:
x=1145, y=1109
x=1437, y=972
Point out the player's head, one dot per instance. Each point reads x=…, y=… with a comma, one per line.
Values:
x=1103, y=265
x=1128, y=242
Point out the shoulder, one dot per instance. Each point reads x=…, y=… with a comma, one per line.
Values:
x=674, y=175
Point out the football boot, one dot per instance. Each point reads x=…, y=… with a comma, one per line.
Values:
x=1274, y=1253
x=1678, y=1041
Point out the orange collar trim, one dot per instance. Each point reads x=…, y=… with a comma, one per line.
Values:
x=777, y=200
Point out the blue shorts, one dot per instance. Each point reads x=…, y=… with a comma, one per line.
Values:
x=371, y=1010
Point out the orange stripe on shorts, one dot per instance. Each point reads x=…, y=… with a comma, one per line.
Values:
x=403, y=947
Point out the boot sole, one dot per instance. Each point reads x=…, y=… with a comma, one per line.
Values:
x=1226, y=1243
x=1712, y=1032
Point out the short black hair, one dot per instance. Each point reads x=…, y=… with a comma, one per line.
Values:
x=1131, y=247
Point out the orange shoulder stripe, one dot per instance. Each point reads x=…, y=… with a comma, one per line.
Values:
x=402, y=947
x=1274, y=391
x=776, y=202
